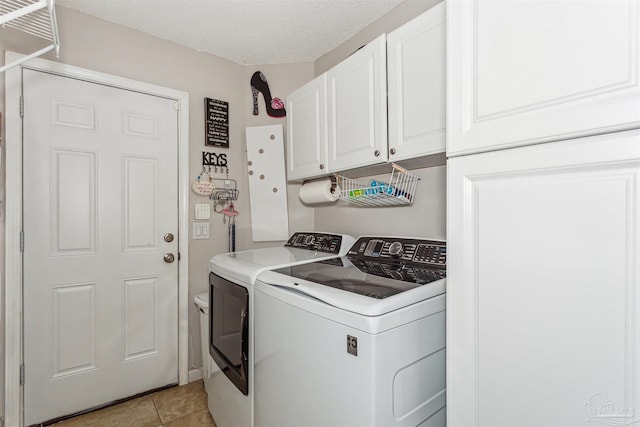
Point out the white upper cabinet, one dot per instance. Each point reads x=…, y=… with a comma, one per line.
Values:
x=307, y=130
x=416, y=85
x=525, y=72
x=357, y=108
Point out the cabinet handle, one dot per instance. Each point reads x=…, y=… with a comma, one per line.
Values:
x=321, y=166
x=376, y=153
x=392, y=151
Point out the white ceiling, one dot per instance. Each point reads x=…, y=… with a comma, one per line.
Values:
x=248, y=32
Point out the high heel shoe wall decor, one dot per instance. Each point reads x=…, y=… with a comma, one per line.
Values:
x=274, y=106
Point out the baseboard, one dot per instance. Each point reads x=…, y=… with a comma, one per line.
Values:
x=195, y=374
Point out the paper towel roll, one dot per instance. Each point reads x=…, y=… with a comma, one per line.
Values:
x=318, y=192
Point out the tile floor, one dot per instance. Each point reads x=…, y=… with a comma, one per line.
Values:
x=183, y=406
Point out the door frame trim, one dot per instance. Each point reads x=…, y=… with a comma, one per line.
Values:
x=13, y=344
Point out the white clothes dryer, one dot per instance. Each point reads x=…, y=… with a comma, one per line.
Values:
x=231, y=328
x=354, y=341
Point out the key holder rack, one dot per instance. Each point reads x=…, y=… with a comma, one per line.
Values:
x=215, y=160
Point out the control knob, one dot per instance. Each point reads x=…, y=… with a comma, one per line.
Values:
x=309, y=240
x=397, y=274
x=396, y=249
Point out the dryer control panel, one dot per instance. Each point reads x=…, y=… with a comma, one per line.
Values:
x=323, y=242
x=389, y=249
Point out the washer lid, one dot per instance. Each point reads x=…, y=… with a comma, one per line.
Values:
x=246, y=265
x=389, y=295
x=243, y=267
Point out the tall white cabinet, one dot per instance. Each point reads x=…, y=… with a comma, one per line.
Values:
x=543, y=215
x=543, y=287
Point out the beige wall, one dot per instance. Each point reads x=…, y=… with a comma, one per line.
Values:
x=397, y=16
x=98, y=45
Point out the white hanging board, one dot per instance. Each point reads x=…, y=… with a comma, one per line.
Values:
x=267, y=183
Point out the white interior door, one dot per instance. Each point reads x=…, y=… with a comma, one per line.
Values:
x=100, y=192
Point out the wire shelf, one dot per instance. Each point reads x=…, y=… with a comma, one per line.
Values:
x=35, y=17
x=226, y=190
x=399, y=189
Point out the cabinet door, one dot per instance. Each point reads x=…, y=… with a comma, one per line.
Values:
x=416, y=84
x=543, y=285
x=307, y=130
x=357, y=108
x=526, y=72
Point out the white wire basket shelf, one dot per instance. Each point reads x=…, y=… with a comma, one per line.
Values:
x=35, y=17
x=399, y=189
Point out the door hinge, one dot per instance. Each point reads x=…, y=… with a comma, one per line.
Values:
x=21, y=106
x=21, y=374
x=21, y=241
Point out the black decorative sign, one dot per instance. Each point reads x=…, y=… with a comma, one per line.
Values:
x=216, y=123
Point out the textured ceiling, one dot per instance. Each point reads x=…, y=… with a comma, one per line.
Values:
x=248, y=32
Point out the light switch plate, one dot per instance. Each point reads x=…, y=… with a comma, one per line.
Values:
x=200, y=230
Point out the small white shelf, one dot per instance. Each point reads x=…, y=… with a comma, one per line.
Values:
x=398, y=189
x=35, y=17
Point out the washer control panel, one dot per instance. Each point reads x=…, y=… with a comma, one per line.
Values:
x=421, y=251
x=322, y=242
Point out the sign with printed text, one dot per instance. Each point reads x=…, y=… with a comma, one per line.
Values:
x=216, y=123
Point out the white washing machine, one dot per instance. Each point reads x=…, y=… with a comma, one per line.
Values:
x=231, y=331
x=355, y=341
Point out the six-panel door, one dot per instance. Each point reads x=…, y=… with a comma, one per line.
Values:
x=100, y=194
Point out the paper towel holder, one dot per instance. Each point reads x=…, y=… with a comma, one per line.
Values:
x=333, y=178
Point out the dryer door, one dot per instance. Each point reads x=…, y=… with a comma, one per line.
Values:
x=229, y=329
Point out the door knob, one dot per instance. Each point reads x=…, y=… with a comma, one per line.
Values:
x=168, y=237
x=169, y=258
